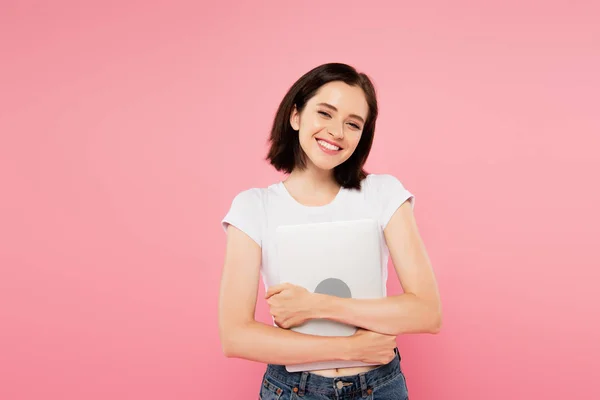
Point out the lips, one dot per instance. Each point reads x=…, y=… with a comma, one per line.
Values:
x=330, y=143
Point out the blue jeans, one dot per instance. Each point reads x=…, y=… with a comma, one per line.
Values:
x=386, y=382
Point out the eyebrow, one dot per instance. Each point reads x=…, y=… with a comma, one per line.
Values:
x=335, y=109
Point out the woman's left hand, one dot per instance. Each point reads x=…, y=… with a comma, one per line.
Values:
x=291, y=305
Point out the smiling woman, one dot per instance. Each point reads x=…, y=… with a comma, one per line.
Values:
x=321, y=137
x=333, y=104
x=331, y=124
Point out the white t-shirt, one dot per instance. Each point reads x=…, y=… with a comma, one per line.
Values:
x=259, y=211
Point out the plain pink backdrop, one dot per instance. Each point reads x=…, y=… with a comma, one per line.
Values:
x=127, y=127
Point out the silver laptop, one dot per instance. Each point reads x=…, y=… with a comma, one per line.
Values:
x=336, y=258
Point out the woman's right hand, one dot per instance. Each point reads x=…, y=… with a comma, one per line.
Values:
x=372, y=347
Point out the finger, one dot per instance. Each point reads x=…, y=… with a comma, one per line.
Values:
x=284, y=323
x=273, y=290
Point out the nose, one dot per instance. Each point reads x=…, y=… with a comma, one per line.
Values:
x=335, y=130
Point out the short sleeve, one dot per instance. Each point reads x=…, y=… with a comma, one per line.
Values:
x=392, y=194
x=246, y=213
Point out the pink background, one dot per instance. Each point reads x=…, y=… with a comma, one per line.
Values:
x=127, y=127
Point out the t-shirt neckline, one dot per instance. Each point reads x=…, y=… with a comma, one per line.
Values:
x=337, y=197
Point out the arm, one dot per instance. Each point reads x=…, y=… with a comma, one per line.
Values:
x=243, y=337
x=418, y=310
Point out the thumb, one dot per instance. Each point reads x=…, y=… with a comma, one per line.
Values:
x=273, y=290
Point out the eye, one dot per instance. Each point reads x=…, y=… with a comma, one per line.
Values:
x=324, y=113
x=354, y=125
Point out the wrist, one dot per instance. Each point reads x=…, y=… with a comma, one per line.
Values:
x=347, y=348
x=317, y=309
x=323, y=306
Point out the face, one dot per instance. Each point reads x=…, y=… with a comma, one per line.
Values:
x=331, y=124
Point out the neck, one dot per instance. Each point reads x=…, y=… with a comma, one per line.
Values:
x=314, y=179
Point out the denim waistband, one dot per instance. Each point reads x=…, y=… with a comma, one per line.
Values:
x=361, y=384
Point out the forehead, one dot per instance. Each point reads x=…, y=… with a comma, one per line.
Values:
x=347, y=99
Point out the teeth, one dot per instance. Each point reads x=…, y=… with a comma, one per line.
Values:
x=327, y=145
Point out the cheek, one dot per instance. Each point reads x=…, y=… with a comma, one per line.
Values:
x=353, y=140
x=317, y=124
x=310, y=129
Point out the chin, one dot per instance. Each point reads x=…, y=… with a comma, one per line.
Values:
x=325, y=165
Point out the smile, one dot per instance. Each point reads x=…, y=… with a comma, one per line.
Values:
x=327, y=145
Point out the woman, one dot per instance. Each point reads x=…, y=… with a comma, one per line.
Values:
x=321, y=138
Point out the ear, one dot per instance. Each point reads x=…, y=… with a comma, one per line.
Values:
x=295, y=119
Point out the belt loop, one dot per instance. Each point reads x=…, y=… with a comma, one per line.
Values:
x=302, y=386
x=363, y=384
